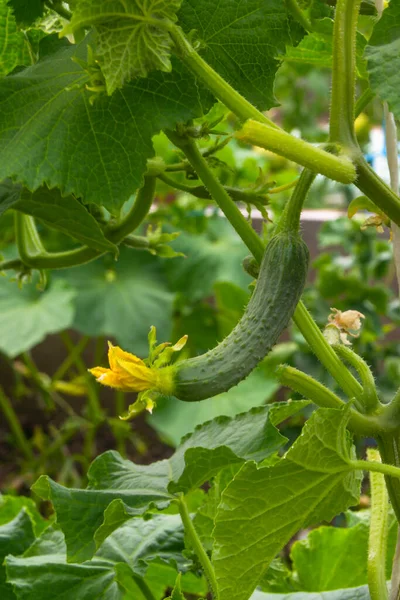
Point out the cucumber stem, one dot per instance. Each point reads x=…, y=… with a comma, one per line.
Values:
x=378, y=532
x=341, y=126
x=35, y=256
x=290, y=218
x=214, y=82
x=194, y=539
x=219, y=194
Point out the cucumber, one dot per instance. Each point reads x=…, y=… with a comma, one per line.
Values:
x=282, y=277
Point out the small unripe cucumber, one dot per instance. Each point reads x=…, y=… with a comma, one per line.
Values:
x=282, y=277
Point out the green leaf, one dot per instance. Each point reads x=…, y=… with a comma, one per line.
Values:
x=15, y=537
x=46, y=575
x=263, y=507
x=119, y=489
x=80, y=512
x=26, y=11
x=122, y=299
x=140, y=542
x=14, y=45
x=360, y=593
x=50, y=577
x=383, y=57
x=241, y=41
x=132, y=38
x=11, y=506
x=64, y=214
x=210, y=257
x=222, y=442
x=174, y=419
x=51, y=134
x=312, y=558
x=27, y=315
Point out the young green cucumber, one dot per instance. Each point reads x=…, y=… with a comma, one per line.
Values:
x=282, y=277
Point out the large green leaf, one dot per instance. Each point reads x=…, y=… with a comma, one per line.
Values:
x=360, y=593
x=173, y=418
x=80, y=512
x=122, y=299
x=51, y=134
x=242, y=41
x=147, y=548
x=383, y=56
x=28, y=315
x=64, y=214
x=119, y=489
x=129, y=44
x=13, y=43
x=263, y=507
x=15, y=537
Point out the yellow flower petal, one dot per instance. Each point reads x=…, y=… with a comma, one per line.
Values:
x=116, y=354
x=97, y=371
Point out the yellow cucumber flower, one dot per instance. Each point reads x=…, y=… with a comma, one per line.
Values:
x=149, y=378
x=127, y=372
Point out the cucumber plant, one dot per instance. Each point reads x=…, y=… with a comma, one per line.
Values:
x=86, y=85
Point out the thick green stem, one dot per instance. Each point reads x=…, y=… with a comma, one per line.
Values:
x=322, y=396
x=369, y=398
x=33, y=254
x=15, y=426
x=197, y=545
x=290, y=218
x=344, y=73
x=219, y=87
x=325, y=353
x=372, y=186
x=389, y=448
x=378, y=533
x=299, y=15
x=339, y=168
x=219, y=194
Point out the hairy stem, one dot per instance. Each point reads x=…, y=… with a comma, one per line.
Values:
x=197, y=545
x=369, y=398
x=344, y=73
x=378, y=532
x=325, y=353
x=389, y=448
x=313, y=158
x=322, y=396
x=219, y=194
x=372, y=186
x=219, y=87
